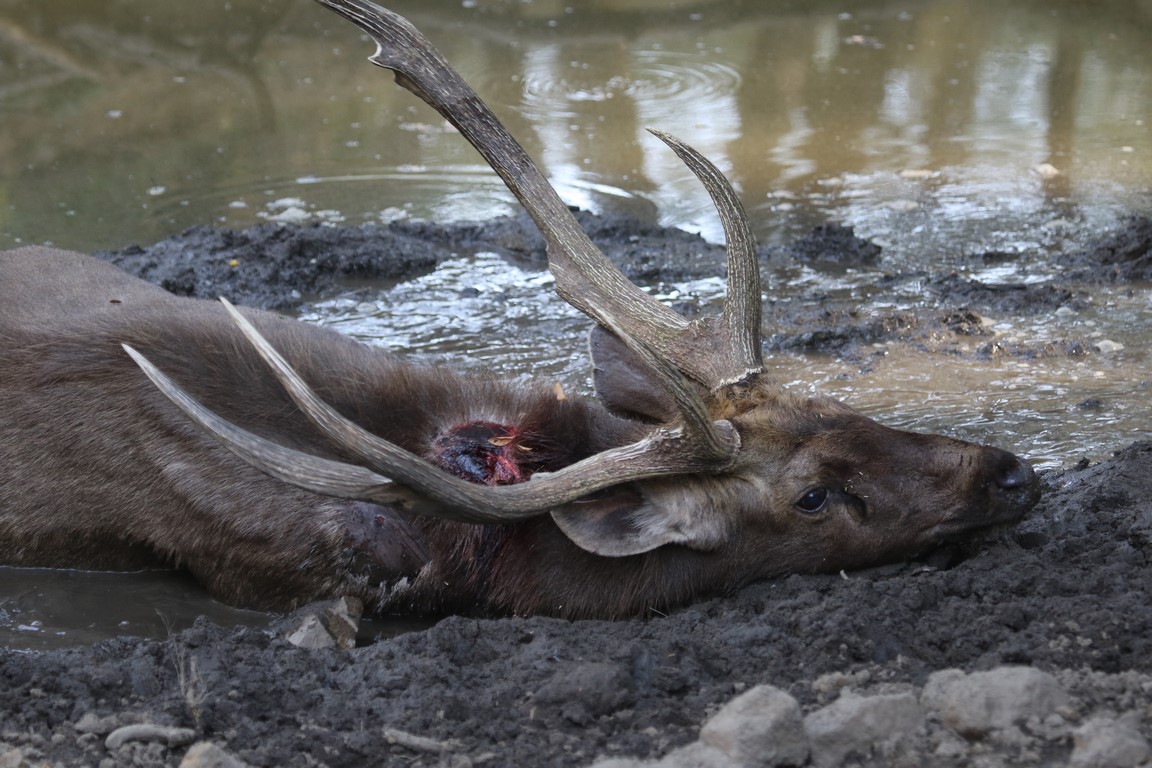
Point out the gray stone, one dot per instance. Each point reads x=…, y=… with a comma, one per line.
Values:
x=101, y=726
x=696, y=755
x=1106, y=742
x=165, y=734
x=205, y=754
x=975, y=704
x=343, y=621
x=311, y=634
x=326, y=624
x=760, y=727
x=882, y=726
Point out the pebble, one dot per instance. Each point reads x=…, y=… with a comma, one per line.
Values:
x=311, y=634
x=327, y=624
x=699, y=755
x=976, y=704
x=205, y=754
x=89, y=722
x=882, y=725
x=1107, y=346
x=958, y=718
x=621, y=762
x=1106, y=742
x=760, y=727
x=166, y=734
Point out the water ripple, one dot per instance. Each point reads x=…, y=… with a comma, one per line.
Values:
x=671, y=78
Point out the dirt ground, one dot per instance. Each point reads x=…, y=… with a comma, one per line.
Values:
x=1068, y=593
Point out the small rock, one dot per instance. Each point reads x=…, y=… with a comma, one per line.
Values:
x=12, y=758
x=416, y=743
x=863, y=725
x=1046, y=171
x=166, y=734
x=343, y=621
x=834, y=682
x=622, y=762
x=949, y=746
x=697, y=755
x=101, y=726
x=205, y=754
x=1107, y=346
x=311, y=634
x=975, y=704
x=328, y=624
x=760, y=727
x=1105, y=742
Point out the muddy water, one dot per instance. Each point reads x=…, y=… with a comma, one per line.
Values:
x=1055, y=409
x=941, y=131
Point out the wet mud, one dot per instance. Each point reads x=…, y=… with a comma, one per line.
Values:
x=1067, y=592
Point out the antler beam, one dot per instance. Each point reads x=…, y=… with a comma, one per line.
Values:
x=585, y=278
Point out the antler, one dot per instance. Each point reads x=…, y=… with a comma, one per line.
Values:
x=423, y=487
x=712, y=355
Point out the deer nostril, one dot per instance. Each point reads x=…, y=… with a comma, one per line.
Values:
x=1014, y=472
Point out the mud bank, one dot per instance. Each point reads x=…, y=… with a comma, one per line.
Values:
x=857, y=664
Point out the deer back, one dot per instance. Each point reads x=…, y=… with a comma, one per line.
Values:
x=99, y=470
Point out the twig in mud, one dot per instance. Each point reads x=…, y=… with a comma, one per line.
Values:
x=187, y=677
x=419, y=743
x=190, y=684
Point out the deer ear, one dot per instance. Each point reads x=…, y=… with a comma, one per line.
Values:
x=624, y=383
x=623, y=521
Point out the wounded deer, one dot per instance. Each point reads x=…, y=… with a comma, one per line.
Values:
x=281, y=462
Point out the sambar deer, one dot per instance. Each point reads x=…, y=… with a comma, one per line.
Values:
x=419, y=489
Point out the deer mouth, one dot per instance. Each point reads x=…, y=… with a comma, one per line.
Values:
x=1011, y=492
x=989, y=519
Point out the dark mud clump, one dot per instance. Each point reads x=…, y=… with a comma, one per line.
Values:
x=277, y=266
x=833, y=247
x=1004, y=297
x=1059, y=607
x=273, y=266
x=1122, y=255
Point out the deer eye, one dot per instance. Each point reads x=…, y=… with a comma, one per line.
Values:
x=813, y=501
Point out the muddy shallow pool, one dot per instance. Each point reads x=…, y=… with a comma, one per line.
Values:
x=986, y=162
x=994, y=164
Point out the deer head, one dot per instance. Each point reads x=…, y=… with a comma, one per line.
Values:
x=726, y=462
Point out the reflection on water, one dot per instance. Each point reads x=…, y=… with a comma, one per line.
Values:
x=44, y=608
x=940, y=130
x=128, y=122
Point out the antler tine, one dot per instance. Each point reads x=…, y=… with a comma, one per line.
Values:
x=424, y=487
x=584, y=276
x=741, y=318
x=712, y=443
x=311, y=472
